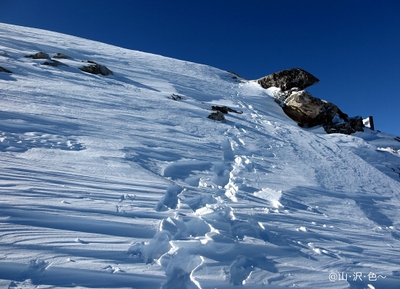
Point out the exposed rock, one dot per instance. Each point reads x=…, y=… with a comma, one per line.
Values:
x=4, y=70
x=54, y=63
x=176, y=97
x=287, y=79
x=236, y=76
x=39, y=55
x=225, y=109
x=217, y=116
x=309, y=111
x=302, y=107
x=96, y=68
x=353, y=125
x=61, y=56
x=330, y=114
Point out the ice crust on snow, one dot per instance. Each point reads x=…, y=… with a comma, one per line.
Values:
x=107, y=182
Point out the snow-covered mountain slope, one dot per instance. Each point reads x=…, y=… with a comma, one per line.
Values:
x=107, y=182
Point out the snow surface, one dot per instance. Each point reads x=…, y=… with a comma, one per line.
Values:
x=107, y=182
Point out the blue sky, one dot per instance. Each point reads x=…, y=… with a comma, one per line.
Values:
x=353, y=47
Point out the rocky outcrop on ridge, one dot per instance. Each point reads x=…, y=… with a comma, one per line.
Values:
x=305, y=109
x=310, y=111
x=349, y=126
x=287, y=79
x=302, y=107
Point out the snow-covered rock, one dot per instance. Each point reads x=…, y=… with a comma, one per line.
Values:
x=60, y=55
x=95, y=68
x=38, y=55
x=217, y=115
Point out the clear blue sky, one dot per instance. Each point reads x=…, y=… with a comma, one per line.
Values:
x=352, y=46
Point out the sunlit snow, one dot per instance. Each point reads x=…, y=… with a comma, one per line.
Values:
x=110, y=182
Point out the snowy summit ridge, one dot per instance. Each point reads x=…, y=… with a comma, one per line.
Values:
x=121, y=180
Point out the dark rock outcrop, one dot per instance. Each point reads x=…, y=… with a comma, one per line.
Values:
x=61, y=56
x=309, y=111
x=302, y=107
x=349, y=126
x=95, y=68
x=176, y=96
x=217, y=115
x=4, y=70
x=39, y=55
x=225, y=109
x=54, y=63
x=306, y=110
x=289, y=78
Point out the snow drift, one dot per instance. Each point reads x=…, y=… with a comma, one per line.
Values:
x=115, y=182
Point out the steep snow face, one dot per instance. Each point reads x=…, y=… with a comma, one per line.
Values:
x=108, y=182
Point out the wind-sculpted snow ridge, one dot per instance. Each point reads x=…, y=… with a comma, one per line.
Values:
x=107, y=182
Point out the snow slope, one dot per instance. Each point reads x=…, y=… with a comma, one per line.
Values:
x=107, y=182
